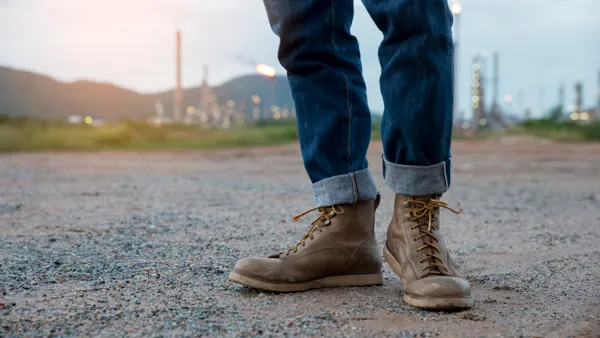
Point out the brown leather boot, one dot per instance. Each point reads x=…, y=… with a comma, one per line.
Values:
x=416, y=252
x=338, y=250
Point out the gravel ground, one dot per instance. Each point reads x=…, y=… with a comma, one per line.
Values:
x=140, y=244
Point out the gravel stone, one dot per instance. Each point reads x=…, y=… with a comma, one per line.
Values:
x=140, y=244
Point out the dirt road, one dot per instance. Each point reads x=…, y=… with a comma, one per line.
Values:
x=140, y=244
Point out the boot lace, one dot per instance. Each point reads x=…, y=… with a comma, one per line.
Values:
x=324, y=219
x=424, y=213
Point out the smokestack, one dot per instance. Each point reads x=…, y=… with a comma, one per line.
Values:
x=542, y=99
x=598, y=103
x=495, y=81
x=178, y=103
x=578, y=97
x=561, y=98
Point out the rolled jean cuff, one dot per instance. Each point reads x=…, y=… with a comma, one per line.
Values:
x=345, y=189
x=415, y=180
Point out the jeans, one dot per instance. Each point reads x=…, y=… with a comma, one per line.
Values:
x=322, y=60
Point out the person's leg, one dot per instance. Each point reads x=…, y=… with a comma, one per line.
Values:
x=416, y=58
x=322, y=60
x=334, y=124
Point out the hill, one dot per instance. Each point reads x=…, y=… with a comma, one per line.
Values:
x=25, y=93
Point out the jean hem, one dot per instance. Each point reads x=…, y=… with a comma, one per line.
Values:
x=414, y=180
x=349, y=188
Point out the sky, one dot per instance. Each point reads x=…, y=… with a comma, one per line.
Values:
x=541, y=43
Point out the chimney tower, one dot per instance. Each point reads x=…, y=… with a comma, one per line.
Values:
x=178, y=102
x=578, y=97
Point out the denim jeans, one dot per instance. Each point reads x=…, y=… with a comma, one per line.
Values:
x=322, y=60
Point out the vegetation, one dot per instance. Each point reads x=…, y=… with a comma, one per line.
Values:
x=563, y=130
x=554, y=127
x=31, y=134
x=28, y=134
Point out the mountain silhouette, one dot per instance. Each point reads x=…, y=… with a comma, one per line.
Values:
x=24, y=93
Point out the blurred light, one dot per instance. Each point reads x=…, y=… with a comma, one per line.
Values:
x=585, y=116
x=476, y=91
x=483, y=121
x=75, y=119
x=475, y=99
x=476, y=66
x=265, y=70
x=456, y=8
x=230, y=103
x=191, y=110
x=286, y=112
x=277, y=115
x=88, y=120
x=466, y=125
x=508, y=98
x=256, y=99
x=476, y=84
x=574, y=116
x=226, y=125
x=475, y=105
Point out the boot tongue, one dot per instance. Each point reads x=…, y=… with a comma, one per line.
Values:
x=425, y=198
x=424, y=226
x=327, y=213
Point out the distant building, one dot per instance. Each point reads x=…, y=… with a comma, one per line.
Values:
x=75, y=119
x=577, y=112
x=208, y=108
x=478, y=97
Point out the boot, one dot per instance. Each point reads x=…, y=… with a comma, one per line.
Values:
x=338, y=250
x=416, y=252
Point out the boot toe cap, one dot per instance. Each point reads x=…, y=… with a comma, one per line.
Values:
x=439, y=286
x=250, y=266
x=259, y=268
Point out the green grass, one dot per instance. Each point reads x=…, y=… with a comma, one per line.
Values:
x=563, y=131
x=26, y=134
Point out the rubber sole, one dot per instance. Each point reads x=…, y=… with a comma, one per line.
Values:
x=430, y=303
x=327, y=282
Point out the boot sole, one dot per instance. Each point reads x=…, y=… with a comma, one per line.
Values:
x=327, y=282
x=430, y=303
